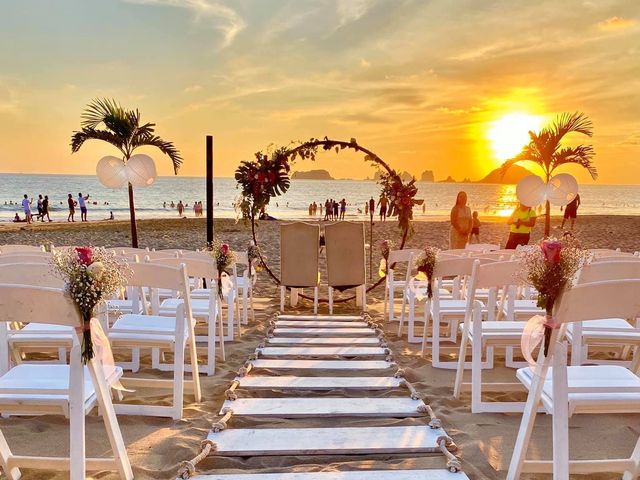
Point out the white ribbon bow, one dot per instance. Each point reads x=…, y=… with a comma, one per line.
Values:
x=533, y=335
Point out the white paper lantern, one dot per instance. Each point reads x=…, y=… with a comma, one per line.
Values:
x=531, y=191
x=561, y=189
x=111, y=172
x=141, y=170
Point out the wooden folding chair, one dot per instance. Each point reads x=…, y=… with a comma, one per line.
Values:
x=299, y=260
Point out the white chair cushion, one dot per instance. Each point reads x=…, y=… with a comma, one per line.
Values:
x=593, y=389
x=41, y=333
x=135, y=327
x=199, y=306
x=50, y=381
x=612, y=330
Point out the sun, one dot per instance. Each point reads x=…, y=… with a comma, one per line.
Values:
x=509, y=133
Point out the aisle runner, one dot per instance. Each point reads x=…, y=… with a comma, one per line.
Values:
x=316, y=354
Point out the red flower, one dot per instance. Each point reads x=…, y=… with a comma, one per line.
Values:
x=551, y=250
x=85, y=255
x=225, y=248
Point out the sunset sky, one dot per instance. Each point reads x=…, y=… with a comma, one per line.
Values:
x=424, y=84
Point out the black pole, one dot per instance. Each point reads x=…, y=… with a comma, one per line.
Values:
x=370, y=248
x=209, y=189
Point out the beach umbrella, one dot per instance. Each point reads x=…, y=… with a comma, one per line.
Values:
x=531, y=191
x=562, y=189
x=141, y=170
x=111, y=171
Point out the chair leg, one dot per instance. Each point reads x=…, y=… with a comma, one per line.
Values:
x=425, y=332
x=77, y=450
x=253, y=313
x=386, y=298
x=635, y=458
x=221, y=335
x=331, y=300
x=282, y=294
x=315, y=300
x=110, y=420
x=560, y=415
x=5, y=455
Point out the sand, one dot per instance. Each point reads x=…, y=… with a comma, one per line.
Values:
x=157, y=446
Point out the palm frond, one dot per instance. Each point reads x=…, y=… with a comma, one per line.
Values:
x=581, y=155
x=142, y=139
x=98, y=109
x=79, y=137
x=571, y=122
x=529, y=153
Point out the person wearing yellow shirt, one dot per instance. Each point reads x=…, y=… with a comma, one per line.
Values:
x=521, y=222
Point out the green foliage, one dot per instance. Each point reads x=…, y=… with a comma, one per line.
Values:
x=122, y=129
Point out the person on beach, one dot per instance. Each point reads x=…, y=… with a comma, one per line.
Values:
x=26, y=208
x=366, y=208
x=111, y=217
x=571, y=211
x=521, y=222
x=39, y=207
x=72, y=208
x=180, y=207
x=343, y=208
x=475, y=228
x=336, y=208
x=460, y=223
x=383, y=207
x=45, y=208
x=83, y=206
x=326, y=209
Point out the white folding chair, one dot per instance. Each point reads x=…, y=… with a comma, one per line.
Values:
x=70, y=390
x=299, y=260
x=489, y=335
x=209, y=309
x=29, y=257
x=346, y=260
x=563, y=391
x=448, y=309
x=482, y=247
x=396, y=258
x=615, y=334
x=175, y=333
x=243, y=285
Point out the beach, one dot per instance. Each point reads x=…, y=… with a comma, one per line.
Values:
x=156, y=446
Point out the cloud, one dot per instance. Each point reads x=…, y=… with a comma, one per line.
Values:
x=633, y=139
x=352, y=10
x=615, y=24
x=231, y=24
x=364, y=63
x=192, y=89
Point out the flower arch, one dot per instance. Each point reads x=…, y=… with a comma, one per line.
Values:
x=267, y=176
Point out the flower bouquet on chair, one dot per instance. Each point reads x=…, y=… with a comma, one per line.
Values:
x=385, y=248
x=91, y=275
x=224, y=258
x=550, y=269
x=426, y=264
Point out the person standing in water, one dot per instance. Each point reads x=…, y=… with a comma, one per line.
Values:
x=383, y=207
x=26, y=208
x=180, y=208
x=83, y=206
x=45, y=208
x=460, y=223
x=72, y=208
x=372, y=209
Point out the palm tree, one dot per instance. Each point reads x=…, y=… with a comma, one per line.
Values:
x=123, y=130
x=545, y=150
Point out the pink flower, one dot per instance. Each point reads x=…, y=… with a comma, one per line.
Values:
x=225, y=248
x=85, y=255
x=551, y=250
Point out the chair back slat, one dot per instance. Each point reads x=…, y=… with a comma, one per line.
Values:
x=609, y=270
x=158, y=276
x=9, y=249
x=497, y=274
x=453, y=267
x=597, y=300
x=196, y=267
x=404, y=255
x=35, y=274
x=299, y=254
x=32, y=257
x=19, y=303
x=346, y=264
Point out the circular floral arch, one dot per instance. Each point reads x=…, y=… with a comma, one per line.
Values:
x=267, y=177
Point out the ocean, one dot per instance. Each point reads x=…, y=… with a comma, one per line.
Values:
x=487, y=199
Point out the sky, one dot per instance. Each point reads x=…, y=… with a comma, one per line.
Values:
x=427, y=85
